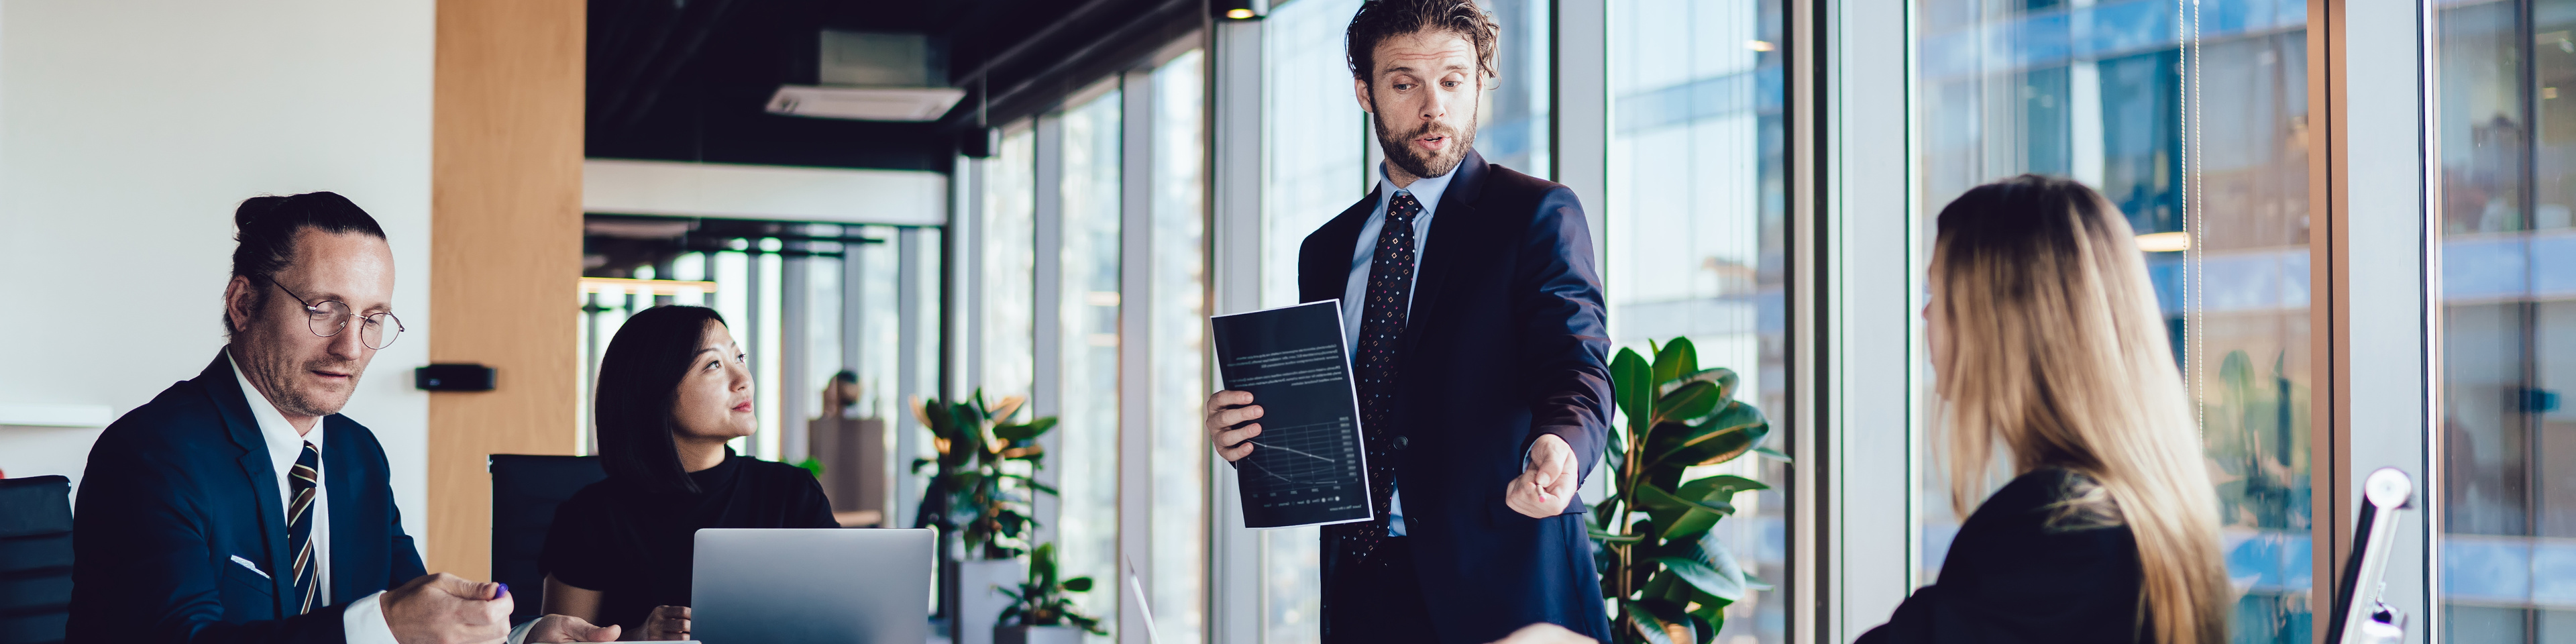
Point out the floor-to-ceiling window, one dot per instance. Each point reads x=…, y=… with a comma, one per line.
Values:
x=1087, y=283
x=1178, y=348
x=2506, y=146
x=1313, y=135
x=1008, y=288
x=1697, y=217
x=2192, y=118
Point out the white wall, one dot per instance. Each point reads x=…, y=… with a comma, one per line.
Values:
x=130, y=129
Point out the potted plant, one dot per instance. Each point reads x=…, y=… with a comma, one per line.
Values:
x=1669, y=577
x=1040, y=613
x=977, y=494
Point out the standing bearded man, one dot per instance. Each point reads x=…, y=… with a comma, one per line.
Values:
x=1480, y=360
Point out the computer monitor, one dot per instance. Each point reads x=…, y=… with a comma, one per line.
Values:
x=811, y=585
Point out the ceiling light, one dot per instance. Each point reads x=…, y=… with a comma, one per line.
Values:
x=913, y=104
x=643, y=287
x=1239, y=14
x=1759, y=45
x=2164, y=242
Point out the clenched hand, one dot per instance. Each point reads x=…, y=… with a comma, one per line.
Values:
x=1546, y=482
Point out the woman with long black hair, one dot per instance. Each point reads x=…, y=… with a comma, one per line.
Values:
x=672, y=389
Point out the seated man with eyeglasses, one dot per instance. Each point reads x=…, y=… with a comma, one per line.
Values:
x=240, y=506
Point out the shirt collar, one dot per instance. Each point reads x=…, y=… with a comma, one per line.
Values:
x=1426, y=190
x=273, y=428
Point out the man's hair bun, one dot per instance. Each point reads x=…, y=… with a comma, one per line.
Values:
x=266, y=227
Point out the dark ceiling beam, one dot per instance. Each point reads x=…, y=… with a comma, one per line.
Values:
x=1032, y=40
x=1113, y=51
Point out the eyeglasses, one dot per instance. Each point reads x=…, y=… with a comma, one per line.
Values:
x=329, y=317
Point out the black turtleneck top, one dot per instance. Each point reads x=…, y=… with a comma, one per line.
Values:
x=2023, y=569
x=635, y=546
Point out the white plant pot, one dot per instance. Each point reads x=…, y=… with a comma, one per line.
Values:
x=1037, y=635
x=979, y=597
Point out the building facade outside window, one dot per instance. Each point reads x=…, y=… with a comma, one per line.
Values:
x=2193, y=120
x=2506, y=148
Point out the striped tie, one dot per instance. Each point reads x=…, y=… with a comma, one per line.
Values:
x=306, y=482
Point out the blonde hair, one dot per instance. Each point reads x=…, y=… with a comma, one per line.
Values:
x=2057, y=350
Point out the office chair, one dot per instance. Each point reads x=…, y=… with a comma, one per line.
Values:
x=35, y=558
x=525, y=491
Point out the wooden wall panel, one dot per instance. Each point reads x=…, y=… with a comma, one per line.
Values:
x=505, y=252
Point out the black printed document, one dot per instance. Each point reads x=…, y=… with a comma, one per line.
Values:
x=1308, y=466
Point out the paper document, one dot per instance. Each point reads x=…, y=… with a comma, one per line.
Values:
x=1308, y=466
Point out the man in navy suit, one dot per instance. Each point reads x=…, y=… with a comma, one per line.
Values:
x=1478, y=351
x=240, y=506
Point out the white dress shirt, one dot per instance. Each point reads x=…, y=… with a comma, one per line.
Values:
x=364, y=621
x=1427, y=191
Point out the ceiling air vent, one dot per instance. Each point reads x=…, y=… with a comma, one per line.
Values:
x=871, y=77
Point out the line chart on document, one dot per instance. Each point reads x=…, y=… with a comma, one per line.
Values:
x=1309, y=454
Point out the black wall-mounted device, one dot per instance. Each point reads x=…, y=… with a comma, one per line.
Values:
x=453, y=377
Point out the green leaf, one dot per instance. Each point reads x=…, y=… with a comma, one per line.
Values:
x=1029, y=431
x=1718, y=489
x=1707, y=565
x=1772, y=454
x=1656, y=620
x=1662, y=507
x=1724, y=378
x=1710, y=617
x=1631, y=381
x=1722, y=437
x=1078, y=584
x=1689, y=402
x=1674, y=360
x=1756, y=583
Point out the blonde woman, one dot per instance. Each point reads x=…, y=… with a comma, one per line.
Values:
x=2050, y=352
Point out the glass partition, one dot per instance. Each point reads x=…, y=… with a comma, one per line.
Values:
x=2507, y=155
x=2192, y=118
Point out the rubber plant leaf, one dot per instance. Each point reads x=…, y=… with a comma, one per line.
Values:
x=1657, y=622
x=1707, y=565
x=1723, y=436
x=1674, y=360
x=1631, y=382
x=1690, y=402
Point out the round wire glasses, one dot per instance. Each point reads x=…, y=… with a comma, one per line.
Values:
x=329, y=317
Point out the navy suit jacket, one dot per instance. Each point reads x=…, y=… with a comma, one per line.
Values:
x=1506, y=341
x=180, y=486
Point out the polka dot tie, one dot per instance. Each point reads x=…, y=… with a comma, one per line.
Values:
x=1382, y=317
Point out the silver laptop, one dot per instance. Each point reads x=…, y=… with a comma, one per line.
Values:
x=801, y=585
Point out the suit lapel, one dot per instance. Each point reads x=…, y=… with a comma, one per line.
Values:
x=1324, y=264
x=233, y=405
x=340, y=482
x=1454, y=226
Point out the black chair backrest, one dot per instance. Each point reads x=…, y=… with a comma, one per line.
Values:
x=35, y=558
x=525, y=491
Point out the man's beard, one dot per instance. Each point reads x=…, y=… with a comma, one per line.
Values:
x=1401, y=151
x=284, y=381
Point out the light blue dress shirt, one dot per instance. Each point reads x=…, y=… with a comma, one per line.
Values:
x=1355, y=292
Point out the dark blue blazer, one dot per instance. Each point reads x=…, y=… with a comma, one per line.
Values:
x=178, y=487
x=1506, y=341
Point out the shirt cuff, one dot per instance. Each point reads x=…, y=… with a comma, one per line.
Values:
x=363, y=622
